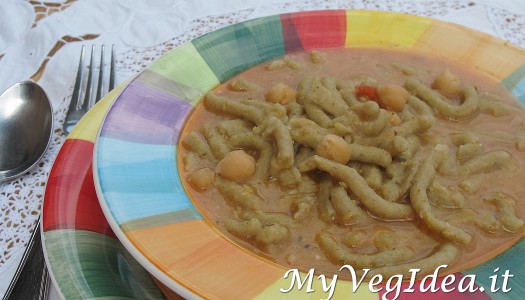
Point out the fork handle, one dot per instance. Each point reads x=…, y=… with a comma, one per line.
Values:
x=32, y=278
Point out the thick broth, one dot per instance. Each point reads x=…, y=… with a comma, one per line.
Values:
x=376, y=63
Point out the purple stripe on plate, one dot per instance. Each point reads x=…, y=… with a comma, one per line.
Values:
x=145, y=114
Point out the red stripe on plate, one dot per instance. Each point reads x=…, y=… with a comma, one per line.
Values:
x=70, y=200
x=316, y=29
x=292, y=41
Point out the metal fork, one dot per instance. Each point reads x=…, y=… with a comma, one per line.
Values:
x=78, y=107
x=31, y=279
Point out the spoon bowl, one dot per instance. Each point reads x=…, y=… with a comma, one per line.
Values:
x=26, y=122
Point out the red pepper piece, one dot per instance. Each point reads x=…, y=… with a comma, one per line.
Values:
x=368, y=91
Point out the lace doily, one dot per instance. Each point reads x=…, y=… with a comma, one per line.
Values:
x=20, y=199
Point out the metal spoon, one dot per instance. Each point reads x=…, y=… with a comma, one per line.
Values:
x=26, y=122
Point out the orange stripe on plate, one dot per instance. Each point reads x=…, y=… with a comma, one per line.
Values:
x=196, y=256
x=487, y=54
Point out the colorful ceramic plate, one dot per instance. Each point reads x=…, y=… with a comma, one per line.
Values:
x=85, y=259
x=135, y=165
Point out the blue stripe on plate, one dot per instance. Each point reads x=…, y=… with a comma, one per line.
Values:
x=144, y=206
x=125, y=152
x=516, y=83
x=512, y=260
x=139, y=180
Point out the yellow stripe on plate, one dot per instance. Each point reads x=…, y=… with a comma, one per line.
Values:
x=485, y=53
x=373, y=28
x=205, y=262
x=87, y=128
x=343, y=290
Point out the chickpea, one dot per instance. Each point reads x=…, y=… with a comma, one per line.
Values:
x=236, y=165
x=280, y=93
x=335, y=148
x=392, y=97
x=202, y=179
x=448, y=84
x=317, y=57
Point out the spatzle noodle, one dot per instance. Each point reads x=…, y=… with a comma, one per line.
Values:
x=375, y=158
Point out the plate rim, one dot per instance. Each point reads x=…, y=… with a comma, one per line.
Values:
x=174, y=284
x=111, y=96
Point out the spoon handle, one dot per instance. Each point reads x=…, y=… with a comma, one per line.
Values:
x=31, y=279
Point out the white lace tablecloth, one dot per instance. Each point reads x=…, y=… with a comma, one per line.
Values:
x=41, y=41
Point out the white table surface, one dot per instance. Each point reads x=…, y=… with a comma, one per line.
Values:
x=30, y=30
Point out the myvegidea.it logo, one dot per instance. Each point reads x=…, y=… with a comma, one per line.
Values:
x=393, y=286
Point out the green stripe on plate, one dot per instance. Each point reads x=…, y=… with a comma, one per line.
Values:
x=171, y=87
x=235, y=48
x=89, y=265
x=159, y=220
x=191, y=74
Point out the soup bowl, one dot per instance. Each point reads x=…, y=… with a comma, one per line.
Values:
x=138, y=177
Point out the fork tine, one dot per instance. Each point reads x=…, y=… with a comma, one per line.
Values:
x=112, y=69
x=74, y=105
x=75, y=98
x=77, y=111
x=89, y=87
x=100, y=87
